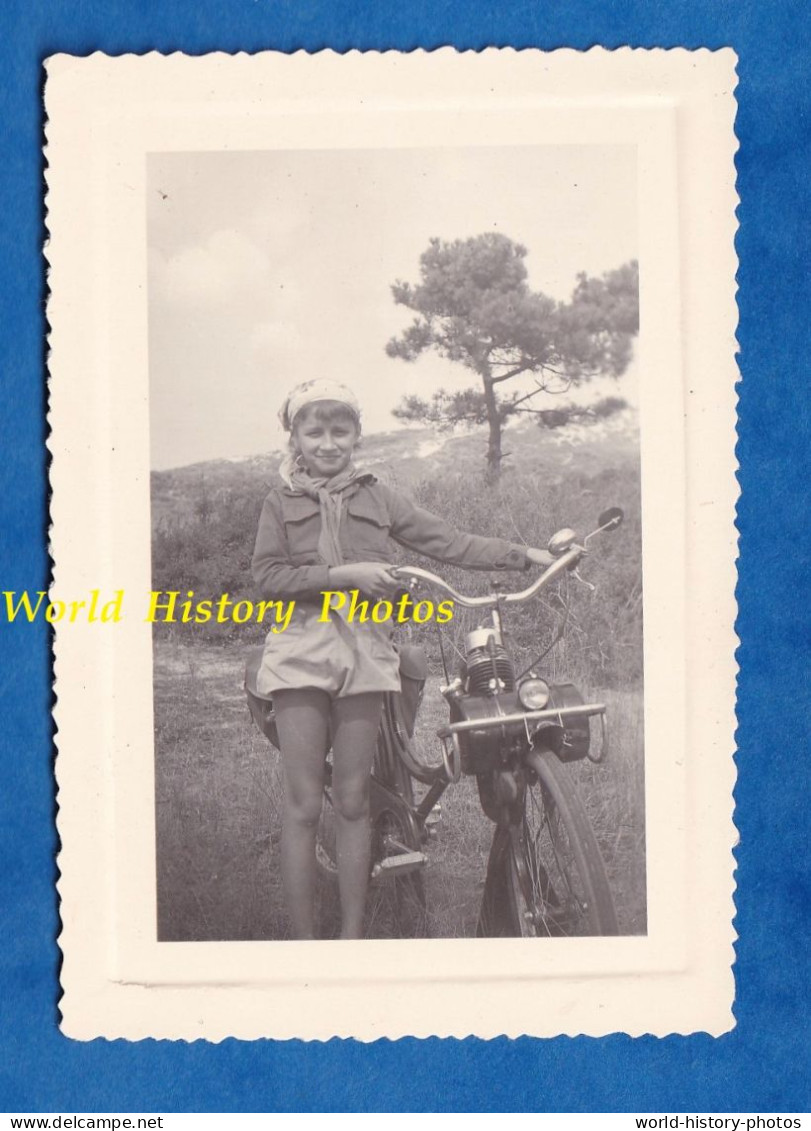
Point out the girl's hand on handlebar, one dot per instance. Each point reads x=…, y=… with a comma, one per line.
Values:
x=544, y=558
x=374, y=578
x=539, y=557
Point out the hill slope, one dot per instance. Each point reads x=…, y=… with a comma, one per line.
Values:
x=409, y=455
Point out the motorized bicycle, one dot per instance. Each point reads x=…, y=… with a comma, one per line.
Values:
x=515, y=732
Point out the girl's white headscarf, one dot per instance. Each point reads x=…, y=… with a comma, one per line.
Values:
x=328, y=492
x=317, y=390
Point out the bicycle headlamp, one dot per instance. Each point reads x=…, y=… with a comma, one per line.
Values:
x=533, y=694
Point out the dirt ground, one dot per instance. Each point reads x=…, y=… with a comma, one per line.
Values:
x=219, y=803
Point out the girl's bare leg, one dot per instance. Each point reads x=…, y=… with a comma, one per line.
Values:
x=355, y=720
x=302, y=718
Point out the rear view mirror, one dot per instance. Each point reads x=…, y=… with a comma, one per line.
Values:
x=610, y=519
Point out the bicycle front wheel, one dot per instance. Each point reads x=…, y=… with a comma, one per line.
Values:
x=556, y=879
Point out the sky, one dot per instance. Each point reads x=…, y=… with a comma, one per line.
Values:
x=268, y=268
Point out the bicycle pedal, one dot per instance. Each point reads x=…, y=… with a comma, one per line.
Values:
x=434, y=817
x=404, y=862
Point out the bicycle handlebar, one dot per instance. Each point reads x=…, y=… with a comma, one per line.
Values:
x=491, y=600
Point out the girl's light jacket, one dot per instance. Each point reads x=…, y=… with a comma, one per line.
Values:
x=286, y=563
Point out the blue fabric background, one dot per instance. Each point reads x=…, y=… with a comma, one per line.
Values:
x=763, y=1064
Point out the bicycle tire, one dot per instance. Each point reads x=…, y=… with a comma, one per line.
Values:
x=496, y=919
x=425, y=772
x=554, y=873
x=396, y=905
x=327, y=898
x=326, y=846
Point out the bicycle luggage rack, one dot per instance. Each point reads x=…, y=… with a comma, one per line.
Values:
x=552, y=715
x=451, y=746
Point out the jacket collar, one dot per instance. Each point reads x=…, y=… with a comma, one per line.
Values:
x=365, y=480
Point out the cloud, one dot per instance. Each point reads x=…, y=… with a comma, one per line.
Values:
x=275, y=341
x=227, y=267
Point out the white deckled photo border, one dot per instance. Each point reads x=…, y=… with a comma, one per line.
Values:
x=104, y=116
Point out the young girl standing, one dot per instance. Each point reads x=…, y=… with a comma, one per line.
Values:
x=328, y=528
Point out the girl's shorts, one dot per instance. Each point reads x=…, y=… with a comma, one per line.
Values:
x=333, y=656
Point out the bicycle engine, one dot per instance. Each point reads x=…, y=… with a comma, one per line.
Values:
x=488, y=668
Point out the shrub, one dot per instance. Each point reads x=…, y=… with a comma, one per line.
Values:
x=206, y=547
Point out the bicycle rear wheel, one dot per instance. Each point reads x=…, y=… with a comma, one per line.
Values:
x=395, y=904
x=328, y=904
x=556, y=880
x=386, y=769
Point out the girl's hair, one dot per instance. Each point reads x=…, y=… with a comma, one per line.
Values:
x=325, y=412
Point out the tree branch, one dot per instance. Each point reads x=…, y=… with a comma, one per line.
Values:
x=510, y=373
x=527, y=396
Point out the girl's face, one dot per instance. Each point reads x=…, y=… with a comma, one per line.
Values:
x=325, y=436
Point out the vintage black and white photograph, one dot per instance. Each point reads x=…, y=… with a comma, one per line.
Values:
x=395, y=474
x=392, y=410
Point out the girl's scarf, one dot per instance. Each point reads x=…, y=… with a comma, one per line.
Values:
x=329, y=494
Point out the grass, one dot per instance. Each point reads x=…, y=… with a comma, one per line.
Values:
x=219, y=802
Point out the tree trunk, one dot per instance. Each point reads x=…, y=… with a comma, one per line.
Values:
x=494, y=426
